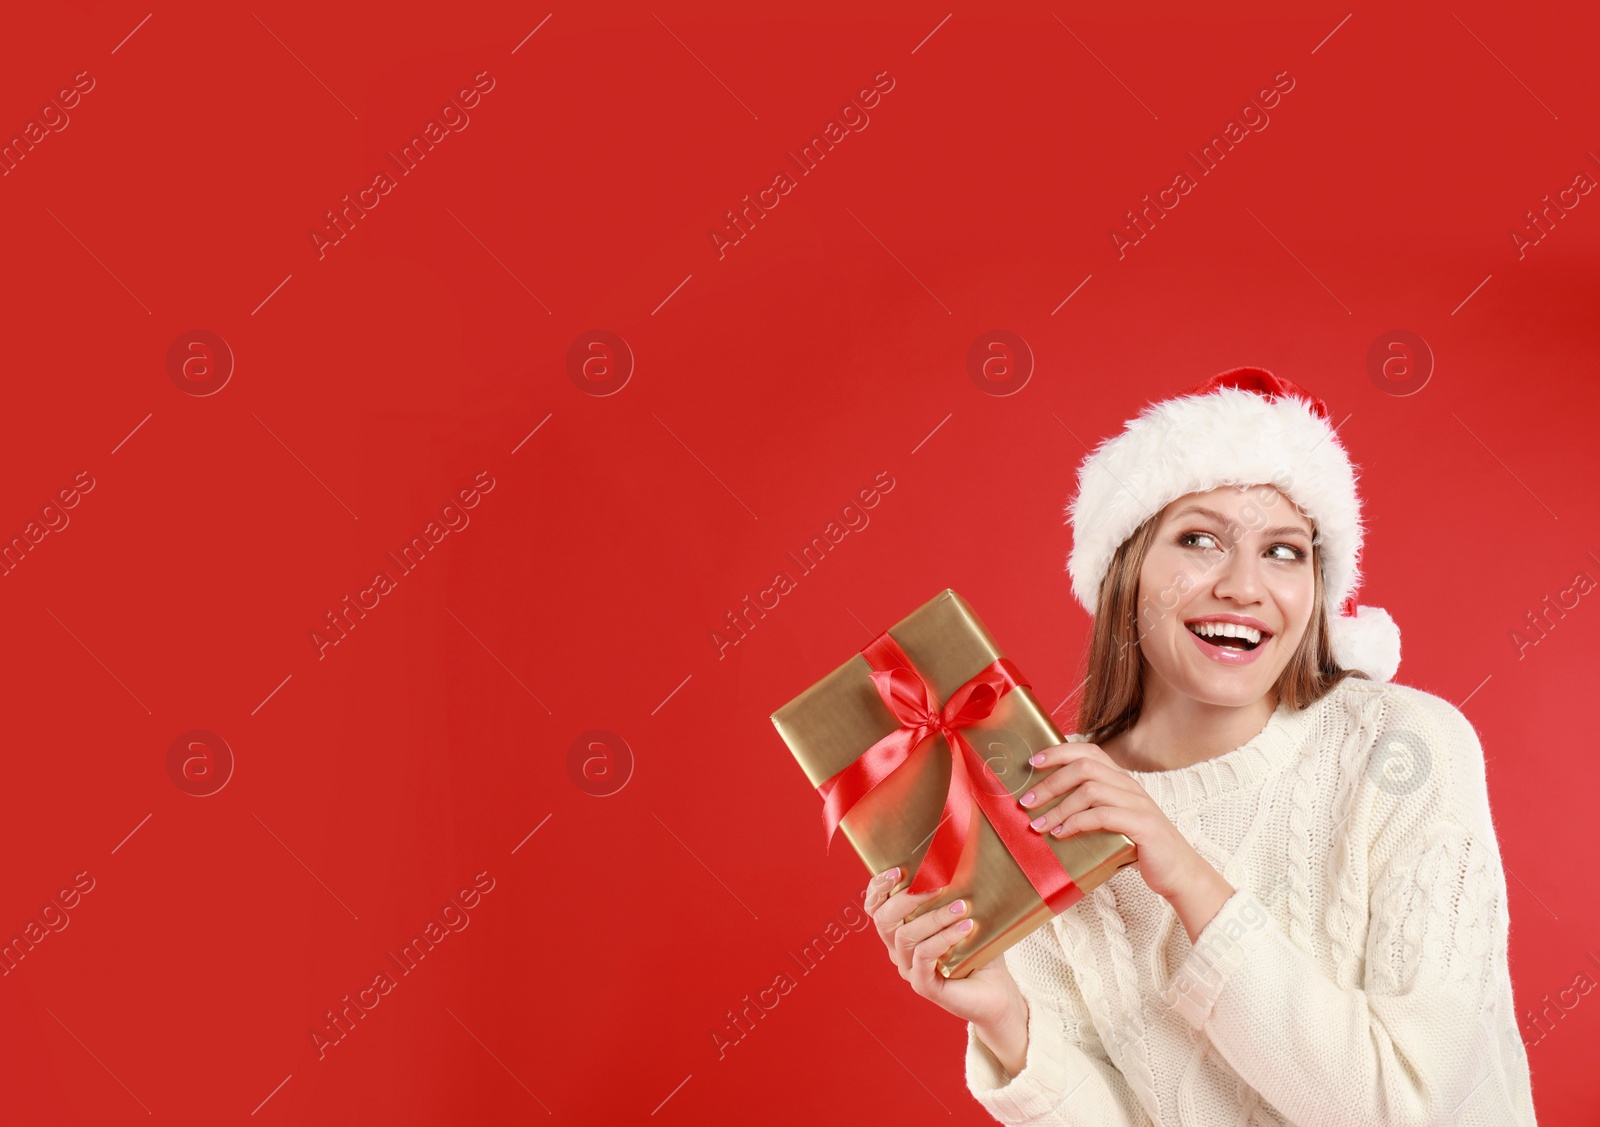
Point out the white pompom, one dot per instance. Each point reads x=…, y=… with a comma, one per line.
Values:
x=1370, y=642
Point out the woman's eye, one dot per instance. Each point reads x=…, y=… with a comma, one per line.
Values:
x=1204, y=540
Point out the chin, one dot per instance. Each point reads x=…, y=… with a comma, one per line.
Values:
x=1224, y=686
x=1227, y=689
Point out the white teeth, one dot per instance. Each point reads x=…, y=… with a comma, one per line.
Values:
x=1226, y=629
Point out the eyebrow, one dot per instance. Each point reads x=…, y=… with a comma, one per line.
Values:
x=1281, y=530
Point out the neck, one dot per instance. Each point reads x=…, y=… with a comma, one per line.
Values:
x=1175, y=730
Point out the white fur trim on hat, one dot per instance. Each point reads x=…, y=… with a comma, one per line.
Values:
x=1231, y=436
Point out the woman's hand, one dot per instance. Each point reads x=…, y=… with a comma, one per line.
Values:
x=1102, y=796
x=988, y=997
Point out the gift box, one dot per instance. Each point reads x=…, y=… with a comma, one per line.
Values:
x=919, y=748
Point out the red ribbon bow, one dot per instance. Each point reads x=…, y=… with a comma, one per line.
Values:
x=912, y=700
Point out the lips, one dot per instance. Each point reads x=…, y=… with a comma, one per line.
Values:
x=1229, y=637
x=1225, y=655
x=1235, y=631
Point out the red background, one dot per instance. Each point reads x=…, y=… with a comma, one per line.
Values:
x=769, y=386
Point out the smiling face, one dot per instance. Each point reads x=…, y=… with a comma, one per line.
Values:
x=1226, y=593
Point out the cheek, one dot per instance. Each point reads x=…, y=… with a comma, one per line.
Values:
x=1295, y=598
x=1168, y=587
x=1164, y=593
x=1163, y=580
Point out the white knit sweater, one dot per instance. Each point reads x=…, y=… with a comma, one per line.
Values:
x=1358, y=975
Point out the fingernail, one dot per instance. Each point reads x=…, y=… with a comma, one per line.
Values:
x=1038, y=760
x=1037, y=823
x=1059, y=830
x=958, y=907
x=964, y=926
x=889, y=874
x=1027, y=799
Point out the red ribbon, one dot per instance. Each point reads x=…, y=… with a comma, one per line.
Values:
x=912, y=700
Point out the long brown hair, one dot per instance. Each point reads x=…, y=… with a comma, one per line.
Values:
x=1113, y=693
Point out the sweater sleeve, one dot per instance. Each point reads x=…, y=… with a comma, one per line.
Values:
x=1064, y=1082
x=1418, y=1041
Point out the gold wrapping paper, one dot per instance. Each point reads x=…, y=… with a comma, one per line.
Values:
x=832, y=723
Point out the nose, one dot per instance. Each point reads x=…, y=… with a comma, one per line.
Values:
x=1238, y=576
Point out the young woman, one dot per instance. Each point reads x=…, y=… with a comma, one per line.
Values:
x=1315, y=930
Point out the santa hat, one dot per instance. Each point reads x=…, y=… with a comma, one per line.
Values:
x=1243, y=427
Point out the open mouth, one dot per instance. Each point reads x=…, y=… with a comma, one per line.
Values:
x=1229, y=635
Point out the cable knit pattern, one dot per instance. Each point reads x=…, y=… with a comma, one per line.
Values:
x=1357, y=976
x=1347, y=911
x=1130, y=1032
x=1299, y=855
